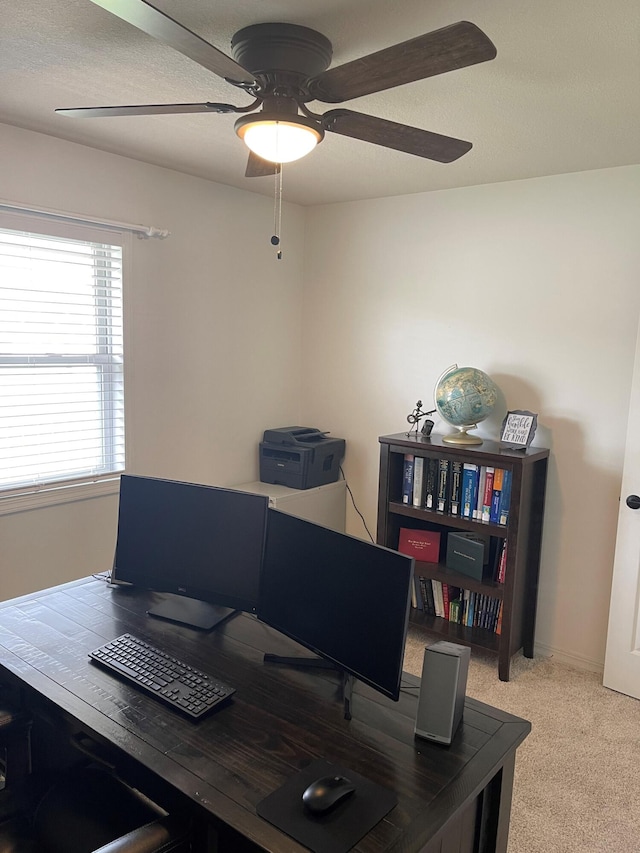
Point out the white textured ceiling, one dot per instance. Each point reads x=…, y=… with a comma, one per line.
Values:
x=563, y=94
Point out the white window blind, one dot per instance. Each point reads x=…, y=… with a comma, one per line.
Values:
x=61, y=357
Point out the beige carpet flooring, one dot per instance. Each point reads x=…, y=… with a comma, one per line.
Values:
x=577, y=778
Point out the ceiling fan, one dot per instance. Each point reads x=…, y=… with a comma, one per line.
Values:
x=286, y=66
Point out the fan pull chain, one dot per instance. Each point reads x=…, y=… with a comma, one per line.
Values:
x=277, y=211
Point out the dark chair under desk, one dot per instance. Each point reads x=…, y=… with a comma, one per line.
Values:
x=84, y=809
x=15, y=756
x=89, y=810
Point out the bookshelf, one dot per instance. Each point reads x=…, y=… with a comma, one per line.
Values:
x=523, y=532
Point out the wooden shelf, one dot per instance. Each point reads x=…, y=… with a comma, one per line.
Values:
x=476, y=638
x=453, y=521
x=440, y=572
x=523, y=533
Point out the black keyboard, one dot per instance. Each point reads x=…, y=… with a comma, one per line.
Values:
x=170, y=680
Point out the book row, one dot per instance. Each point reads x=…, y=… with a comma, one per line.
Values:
x=462, y=606
x=468, y=490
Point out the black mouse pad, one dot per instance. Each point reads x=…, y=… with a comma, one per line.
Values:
x=337, y=830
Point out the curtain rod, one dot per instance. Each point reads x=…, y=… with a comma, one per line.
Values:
x=143, y=231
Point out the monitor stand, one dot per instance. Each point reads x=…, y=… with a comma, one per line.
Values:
x=319, y=663
x=190, y=611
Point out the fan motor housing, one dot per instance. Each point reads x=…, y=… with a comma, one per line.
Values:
x=264, y=49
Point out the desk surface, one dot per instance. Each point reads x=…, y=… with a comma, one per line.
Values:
x=279, y=720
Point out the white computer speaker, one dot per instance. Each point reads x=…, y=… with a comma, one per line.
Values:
x=442, y=691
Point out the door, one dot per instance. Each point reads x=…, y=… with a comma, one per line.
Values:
x=622, y=658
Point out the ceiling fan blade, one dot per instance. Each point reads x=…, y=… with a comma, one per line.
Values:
x=146, y=110
x=447, y=49
x=259, y=168
x=155, y=23
x=390, y=134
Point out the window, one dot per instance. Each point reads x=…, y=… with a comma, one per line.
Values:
x=61, y=355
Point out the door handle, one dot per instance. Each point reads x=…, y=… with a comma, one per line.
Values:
x=633, y=502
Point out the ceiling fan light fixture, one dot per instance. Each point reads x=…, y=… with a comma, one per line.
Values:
x=279, y=139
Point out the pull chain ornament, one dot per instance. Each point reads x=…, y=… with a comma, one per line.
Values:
x=277, y=210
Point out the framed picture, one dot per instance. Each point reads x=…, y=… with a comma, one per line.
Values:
x=518, y=429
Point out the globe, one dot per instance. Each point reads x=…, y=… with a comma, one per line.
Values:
x=465, y=396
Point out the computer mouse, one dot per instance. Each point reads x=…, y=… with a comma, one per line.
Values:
x=324, y=794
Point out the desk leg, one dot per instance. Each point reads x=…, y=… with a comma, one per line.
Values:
x=494, y=810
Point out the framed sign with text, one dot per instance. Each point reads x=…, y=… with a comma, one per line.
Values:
x=518, y=429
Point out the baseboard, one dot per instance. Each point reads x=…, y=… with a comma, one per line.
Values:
x=568, y=659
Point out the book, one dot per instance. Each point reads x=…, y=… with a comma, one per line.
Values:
x=488, y=614
x=407, y=479
x=420, y=594
x=431, y=467
x=471, y=610
x=466, y=554
x=434, y=592
x=437, y=595
x=493, y=561
x=456, y=487
x=445, y=600
x=505, y=499
x=495, y=609
x=494, y=515
x=455, y=609
x=484, y=610
x=443, y=485
x=432, y=603
x=493, y=614
x=482, y=476
x=488, y=493
x=427, y=595
x=416, y=594
x=418, y=481
x=502, y=565
x=469, y=489
x=466, y=594
x=476, y=609
x=420, y=544
x=481, y=610
x=486, y=604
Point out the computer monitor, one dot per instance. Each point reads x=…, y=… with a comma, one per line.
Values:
x=203, y=545
x=343, y=598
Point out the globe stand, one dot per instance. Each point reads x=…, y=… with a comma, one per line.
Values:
x=462, y=436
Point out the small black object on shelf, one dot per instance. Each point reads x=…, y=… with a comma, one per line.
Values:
x=414, y=418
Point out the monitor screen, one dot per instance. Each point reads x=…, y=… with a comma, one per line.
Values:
x=343, y=598
x=202, y=542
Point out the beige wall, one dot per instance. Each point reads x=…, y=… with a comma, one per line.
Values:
x=535, y=282
x=48, y=546
x=213, y=336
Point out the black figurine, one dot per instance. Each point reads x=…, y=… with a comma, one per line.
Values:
x=416, y=415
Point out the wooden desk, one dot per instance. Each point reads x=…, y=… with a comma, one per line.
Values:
x=453, y=798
